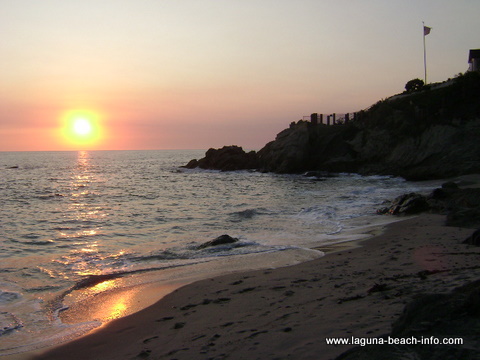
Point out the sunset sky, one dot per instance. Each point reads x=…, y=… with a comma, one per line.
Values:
x=194, y=74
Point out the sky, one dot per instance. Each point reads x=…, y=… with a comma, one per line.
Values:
x=195, y=74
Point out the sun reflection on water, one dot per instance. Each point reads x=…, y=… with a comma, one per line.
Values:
x=104, y=286
x=104, y=301
x=114, y=306
x=83, y=219
x=82, y=232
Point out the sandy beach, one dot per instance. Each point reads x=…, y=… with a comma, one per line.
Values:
x=287, y=313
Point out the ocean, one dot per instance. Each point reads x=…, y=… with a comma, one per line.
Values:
x=78, y=226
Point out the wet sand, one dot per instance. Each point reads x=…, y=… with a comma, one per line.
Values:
x=286, y=313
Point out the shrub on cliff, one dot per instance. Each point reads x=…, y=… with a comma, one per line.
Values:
x=414, y=85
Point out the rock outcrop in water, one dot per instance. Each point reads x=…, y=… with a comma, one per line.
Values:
x=429, y=134
x=228, y=158
x=221, y=240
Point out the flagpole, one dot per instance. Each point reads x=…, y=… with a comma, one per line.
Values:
x=424, y=53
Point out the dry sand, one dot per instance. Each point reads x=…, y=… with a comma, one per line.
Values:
x=287, y=313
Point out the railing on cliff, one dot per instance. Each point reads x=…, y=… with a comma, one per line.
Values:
x=334, y=119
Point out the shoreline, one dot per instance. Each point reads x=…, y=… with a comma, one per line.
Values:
x=122, y=297
x=135, y=295
x=89, y=309
x=287, y=312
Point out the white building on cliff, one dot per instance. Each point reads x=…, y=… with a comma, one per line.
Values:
x=474, y=60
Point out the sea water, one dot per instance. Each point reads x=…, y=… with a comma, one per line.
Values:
x=89, y=223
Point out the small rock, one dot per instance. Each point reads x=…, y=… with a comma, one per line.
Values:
x=473, y=239
x=449, y=185
x=221, y=240
x=407, y=204
x=377, y=288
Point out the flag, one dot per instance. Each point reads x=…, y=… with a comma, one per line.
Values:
x=426, y=30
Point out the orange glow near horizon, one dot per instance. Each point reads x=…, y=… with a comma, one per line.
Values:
x=81, y=129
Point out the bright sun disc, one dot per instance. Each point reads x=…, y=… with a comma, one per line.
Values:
x=81, y=128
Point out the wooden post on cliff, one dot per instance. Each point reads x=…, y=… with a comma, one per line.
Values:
x=328, y=119
x=314, y=119
x=334, y=118
x=347, y=118
x=321, y=118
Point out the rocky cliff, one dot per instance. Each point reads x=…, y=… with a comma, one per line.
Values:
x=433, y=133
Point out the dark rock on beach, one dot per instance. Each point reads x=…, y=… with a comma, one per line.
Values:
x=228, y=158
x=474, y=239
x=462, y=206
x=433, y=316
x=221, y=240
x=407, y=204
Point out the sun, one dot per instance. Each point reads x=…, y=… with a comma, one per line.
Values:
x=81, y=128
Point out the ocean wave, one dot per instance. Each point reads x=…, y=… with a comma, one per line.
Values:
x=164, y=260
x=193, y=252
x=9, y=297
x=161, y=255
x=40, y=289
x=32, y=240
x=8, y=323
x=92, y=280
x=132, y=263
x=246, y=214
x=49, y=196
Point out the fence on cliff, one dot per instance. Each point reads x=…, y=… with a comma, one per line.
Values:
x=332, y=119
